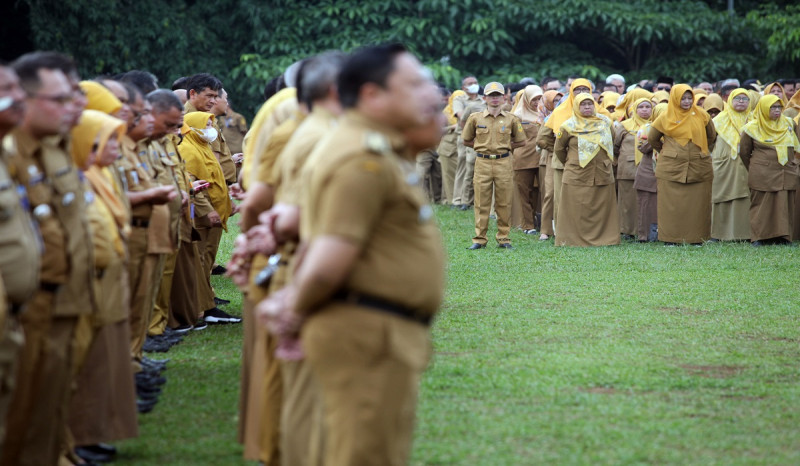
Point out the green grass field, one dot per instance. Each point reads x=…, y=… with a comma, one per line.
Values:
x=634, y=354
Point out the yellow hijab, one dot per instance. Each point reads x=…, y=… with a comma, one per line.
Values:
x=684, y=125
x=525, y=109
x=794, y=102
x=610, y=98
x=201, y=162
x=593, y=132
x=92, y=134
x=729, y=123
x=448, y=110
x=274, y=112
x=634, y=124
x=564, y=111
x=783, y=97
x=660, y=97
x=713, y=100
x=625, y=106
x=776, y=133
x=99, y=98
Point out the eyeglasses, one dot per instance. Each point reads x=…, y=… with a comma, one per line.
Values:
x=59, y=99
x=741, y=99
x=663, y=88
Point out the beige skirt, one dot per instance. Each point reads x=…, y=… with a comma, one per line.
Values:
x=730, y=220
x=587, y=216
x=684, y=211
x=771, y=215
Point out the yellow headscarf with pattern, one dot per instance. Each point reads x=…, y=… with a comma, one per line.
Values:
x=634, y=125
x=729, y=123
x=593, y=132
x=776, y=133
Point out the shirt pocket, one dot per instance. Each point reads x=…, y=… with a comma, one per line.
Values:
x=482, y=135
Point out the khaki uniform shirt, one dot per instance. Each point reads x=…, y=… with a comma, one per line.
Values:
x=135, y=177
x=363, y=192
x=598, y=172
x=765, y=173
x=58, y=203
x=682, y=163
x=234, y=126
x=166, y=169
x=493, y=135
x=277, y=142
x=527, y=156
x=462, y=103
x=20, y=243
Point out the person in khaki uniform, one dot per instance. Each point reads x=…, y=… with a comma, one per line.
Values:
x=167, y=114
x=448, y=151
x=463, y=189
x=220, y=145
x=19, y=247
x=36, y=421
x=493, y=133
x=234, y=127
x=768, y=148
x=684, y=137
x=526, y=158
x=371, y=277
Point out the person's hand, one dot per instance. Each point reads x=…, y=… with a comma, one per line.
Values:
x=277, y=315
x=215, y=219
x=260, y=240
x=236, y=191
x=234, y=208
x=239, y=265
x=645, y=148
x=237, y=158
x=162, y=194
x=184, y=199
x=197, y=183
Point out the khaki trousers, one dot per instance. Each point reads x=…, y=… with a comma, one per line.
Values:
x=183, y=297
x=449, y=161
x=367, y=365
x=461, y=171
x=37, y=417
x=493, y=176
x=207, y=248
x=430, y=175
x=546, y=180
x=528, y=195
x=12, y=341
x=468, y=193
x=558, y=175
x=160, y=315
x=301, y=416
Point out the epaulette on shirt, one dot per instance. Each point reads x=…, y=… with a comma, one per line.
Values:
x=377, y=143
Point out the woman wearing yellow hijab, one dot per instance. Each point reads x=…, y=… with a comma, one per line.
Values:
x=683, y=136
x=713, y=105
x=546, y=106
x=103, y=408
x=546, y=139
x=526, y=158
x=608, y=100
x=645, y=184
x=777, y=89
x=448, y=148
x=628, y=157
x=730, y=195
x=793, y=107
x=660, y=97
x=767, y=148
x=588, y=212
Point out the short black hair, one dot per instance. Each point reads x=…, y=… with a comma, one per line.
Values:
x=133, y=91
x=163, y=100
x=27, y=67
x=666, y=80
x=144, y=80
x=199, y=82
x=372, y=64
x=180, y=83
x=513, y=88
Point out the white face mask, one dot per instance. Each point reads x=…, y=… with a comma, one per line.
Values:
x=209, y=134
x=473, y=88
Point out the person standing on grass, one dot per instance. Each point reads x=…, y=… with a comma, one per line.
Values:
x=684, y=137
x=493, y=133
x=767, y=148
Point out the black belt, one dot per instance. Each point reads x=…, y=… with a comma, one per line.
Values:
x=494, y=157
x=140, y=222
x=379, y=304
x=49, y=287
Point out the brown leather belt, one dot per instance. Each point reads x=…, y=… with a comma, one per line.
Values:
x=379, y=304
x=493, y=157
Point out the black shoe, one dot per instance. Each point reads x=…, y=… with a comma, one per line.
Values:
x=220, y=301
x=149, y=380
x=477, y=246
x=713, y=240
x=666, y=243
x=93, y=456
x=218, y=270
x=145, y=406
x=151, y=345
x=183, y=329
x=463, y=207
x=218, y=316
x=756, y=243
x=200, y=325
x=150, y=365
x=505, y=246
x=102, y=448
x=627, y=237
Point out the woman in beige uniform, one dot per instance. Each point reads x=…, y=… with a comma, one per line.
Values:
x=588, y=214
x=730, y=196
x=526, y=158
x=683, y=136
x=104, y=405
x=645, y=184
x=546, y=107
x=628, y=157
x=767, y=148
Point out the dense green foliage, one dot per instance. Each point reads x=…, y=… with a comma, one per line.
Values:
x=630, y=354
x=248, y=42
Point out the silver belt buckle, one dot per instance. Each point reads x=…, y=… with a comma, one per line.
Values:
x=492, y=157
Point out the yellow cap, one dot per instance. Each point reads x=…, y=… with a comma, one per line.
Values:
x=493, y=87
